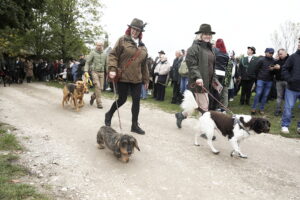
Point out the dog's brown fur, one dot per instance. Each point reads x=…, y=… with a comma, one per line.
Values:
x=75, y=93
x=121, y=145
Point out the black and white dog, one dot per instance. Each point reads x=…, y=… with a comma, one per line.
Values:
x=236, y=128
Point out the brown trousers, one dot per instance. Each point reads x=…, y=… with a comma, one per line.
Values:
x=98, y=80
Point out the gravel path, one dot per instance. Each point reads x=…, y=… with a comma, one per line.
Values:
x=62, y=152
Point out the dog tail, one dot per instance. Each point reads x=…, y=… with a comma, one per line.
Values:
x=189, y=103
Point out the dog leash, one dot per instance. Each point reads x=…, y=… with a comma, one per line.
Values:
x=115, y=97
x=212, y=96
x=236, y=120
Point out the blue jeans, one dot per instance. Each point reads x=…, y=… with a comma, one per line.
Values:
x=262, y=92
x=183, y=84
x=290, y=100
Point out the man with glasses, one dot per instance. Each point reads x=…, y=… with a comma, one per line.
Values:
x=96, y=64
x=291, y=74
x=265, y=76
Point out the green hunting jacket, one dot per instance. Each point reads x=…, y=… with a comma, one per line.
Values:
x=96, y=61
x=198, y=65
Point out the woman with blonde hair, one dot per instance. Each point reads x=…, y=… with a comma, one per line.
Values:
x=200, y=60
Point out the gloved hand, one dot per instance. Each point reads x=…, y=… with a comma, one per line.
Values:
x=86, y=75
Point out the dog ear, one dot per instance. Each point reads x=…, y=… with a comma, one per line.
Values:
x=136, y=144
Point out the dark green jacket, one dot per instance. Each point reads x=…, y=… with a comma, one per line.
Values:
x=197, y=62
x=248, y=70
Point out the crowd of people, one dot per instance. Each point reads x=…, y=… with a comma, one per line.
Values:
x=22, y=69
x=207, y=67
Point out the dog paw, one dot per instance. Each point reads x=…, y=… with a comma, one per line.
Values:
x=100, y=146
x=243, y=156
x=232, y=153
x=216, y=152
x=197, y=145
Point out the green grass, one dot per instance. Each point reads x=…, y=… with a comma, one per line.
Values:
x=10, y=171
x=234, y=106
x=269, y=114
x=8, y=141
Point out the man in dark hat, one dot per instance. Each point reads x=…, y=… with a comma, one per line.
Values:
x=247, y=75
x=161, y=54
x=265, y=77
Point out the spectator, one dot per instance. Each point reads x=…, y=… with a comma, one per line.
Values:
x=80, y=67
x=291, y=74
x=28, y=70
x=161, y=71
x=161, y=53
x=231, y=75
x=75, y=70
x=184, y=73
x=247, y=69
x=280, y=83
x=222, y=59
x=264, y=82
x=144, y=91
x=175, y=77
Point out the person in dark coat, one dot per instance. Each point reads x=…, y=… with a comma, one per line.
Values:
x=247, y=68
x=222, y=59
x=176, y=79
x=291, y=74
x=265, y=76
x=280, y=83
x=80, y=67
x=200, y=60
x=161, y=53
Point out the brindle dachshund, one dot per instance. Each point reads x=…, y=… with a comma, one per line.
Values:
x=74, y=92
x=121, y=145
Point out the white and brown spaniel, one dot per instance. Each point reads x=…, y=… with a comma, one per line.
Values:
x=236, y=128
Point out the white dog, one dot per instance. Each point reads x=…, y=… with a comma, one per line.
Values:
x=235, y=128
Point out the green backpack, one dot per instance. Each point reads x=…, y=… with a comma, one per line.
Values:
x=183, y=69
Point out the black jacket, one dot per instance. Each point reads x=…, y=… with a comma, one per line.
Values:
x=277, y=72
x=221, y=60
x=247, y=69
x=263, y=69
x=291, y=71
x=174, y=74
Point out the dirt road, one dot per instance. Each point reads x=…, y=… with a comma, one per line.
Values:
x=62, y=152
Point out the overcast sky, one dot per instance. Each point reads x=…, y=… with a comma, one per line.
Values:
x=172, y=23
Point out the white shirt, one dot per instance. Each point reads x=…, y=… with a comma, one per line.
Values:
x=249, y=58
x=136, y=41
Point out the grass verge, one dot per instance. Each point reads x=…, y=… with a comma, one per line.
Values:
x=10, y=172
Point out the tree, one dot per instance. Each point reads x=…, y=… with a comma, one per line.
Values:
x=286, y=36
x=58, y=29
x=18, y=14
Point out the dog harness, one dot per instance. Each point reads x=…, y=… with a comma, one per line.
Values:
x=236, y=120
